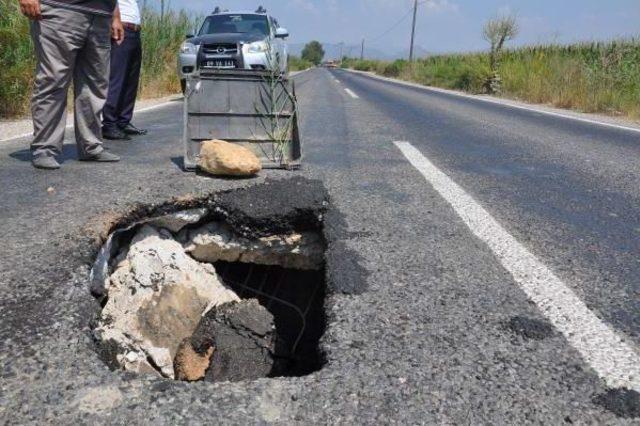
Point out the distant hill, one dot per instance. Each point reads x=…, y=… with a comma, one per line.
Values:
x=332, y=51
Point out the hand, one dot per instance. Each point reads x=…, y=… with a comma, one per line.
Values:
x=117, y=30
x=30, y=9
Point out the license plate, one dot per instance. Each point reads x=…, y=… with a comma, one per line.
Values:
x=220, y=63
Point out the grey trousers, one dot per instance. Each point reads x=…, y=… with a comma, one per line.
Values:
x=69, y=46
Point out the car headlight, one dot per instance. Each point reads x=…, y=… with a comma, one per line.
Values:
x=188, y=48
x=258, y=47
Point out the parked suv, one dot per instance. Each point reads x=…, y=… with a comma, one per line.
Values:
x=235, y=40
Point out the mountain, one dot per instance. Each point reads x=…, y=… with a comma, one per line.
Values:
x=332, y=51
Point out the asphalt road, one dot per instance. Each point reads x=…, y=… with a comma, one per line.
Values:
x=429, y=340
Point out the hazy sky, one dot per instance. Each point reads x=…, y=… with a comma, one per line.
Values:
x=443, y=25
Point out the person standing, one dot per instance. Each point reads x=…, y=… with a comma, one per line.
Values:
x=72, y=43
x=126, y=60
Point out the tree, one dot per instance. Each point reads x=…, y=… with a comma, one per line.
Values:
x=313, y=52
x=497, y=32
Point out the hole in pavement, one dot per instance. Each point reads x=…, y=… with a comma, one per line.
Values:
x=530, y=328
x=623, y=403
x=188, y=296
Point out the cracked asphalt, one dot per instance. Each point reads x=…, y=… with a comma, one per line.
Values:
x=426, y=327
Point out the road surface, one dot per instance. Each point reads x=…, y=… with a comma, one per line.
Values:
x=471, y=219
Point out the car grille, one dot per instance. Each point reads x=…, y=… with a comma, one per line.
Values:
x=220, y=49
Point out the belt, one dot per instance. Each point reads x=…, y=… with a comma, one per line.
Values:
x=131, y=27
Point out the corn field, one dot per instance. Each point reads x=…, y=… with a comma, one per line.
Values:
x=599, y=77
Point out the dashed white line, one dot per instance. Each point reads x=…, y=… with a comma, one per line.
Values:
x=350, y=93
x=614, y=360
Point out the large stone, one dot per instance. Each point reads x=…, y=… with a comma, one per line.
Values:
x=244, y=338
x=156, y=298
x=222, y=158
x=216, y=241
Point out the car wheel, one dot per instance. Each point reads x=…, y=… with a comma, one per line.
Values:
x=183, y=85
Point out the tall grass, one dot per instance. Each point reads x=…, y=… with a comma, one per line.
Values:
x=162, y=35
x=590, y=77
x=298, y=64
x=16, y=60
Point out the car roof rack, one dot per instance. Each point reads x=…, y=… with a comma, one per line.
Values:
x=261, y=10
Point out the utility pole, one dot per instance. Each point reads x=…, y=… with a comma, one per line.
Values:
x=341, y=49
x=362, y=51
x=413, y=29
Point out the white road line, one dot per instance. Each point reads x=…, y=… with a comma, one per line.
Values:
x=614, y=360
x=69, y=126
x=504, y=103
x=353, y=95
x=336, y=80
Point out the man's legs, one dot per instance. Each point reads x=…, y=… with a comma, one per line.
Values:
x=120, y=60
x=90, y=80
x=130, y=89
x=57, y=38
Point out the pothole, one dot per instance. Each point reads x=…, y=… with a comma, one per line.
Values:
x=192, y=296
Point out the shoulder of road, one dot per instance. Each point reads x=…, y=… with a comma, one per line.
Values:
x=601, y=119
x=22, y=128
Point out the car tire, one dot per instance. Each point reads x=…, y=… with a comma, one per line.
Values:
x=183, y=85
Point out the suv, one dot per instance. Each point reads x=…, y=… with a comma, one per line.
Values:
x=235, y=40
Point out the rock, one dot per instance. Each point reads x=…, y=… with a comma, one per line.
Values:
x=243, y=334
x=189, y=365
x=216, y=241
x=156, y=298
x=174, y=222
x=226, y=159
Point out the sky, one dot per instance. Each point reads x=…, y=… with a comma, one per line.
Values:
x=442, y=25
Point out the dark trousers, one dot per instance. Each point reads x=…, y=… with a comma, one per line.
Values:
x=124, y=78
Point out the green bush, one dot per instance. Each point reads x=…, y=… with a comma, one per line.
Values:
x=298, y=64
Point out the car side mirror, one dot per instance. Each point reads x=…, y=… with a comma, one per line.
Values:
x=282, y=33
x=188, y=36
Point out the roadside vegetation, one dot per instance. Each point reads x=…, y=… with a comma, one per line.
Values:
x=298, y=64
x=601, y=77
x=162, y=36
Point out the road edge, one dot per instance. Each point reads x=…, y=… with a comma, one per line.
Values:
x=596, y=119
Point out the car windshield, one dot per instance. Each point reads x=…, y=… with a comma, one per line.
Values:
x=241, y=23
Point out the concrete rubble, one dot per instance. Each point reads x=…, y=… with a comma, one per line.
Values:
x=167, y=312
x=216, y=241
x=156, y=297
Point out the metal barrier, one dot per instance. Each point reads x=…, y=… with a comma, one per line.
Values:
x=251, y=108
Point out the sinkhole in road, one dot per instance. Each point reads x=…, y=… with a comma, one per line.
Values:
x=193, y=296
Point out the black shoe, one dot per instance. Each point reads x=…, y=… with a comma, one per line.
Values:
x=130, y=129
x=114, y=134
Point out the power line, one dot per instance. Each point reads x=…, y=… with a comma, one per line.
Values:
x=400, y=21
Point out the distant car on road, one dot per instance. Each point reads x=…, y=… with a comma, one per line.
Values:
x=235, y=40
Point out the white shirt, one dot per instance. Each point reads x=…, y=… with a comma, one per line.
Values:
x=130, y=11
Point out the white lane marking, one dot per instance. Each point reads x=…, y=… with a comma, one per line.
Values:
x=69, y=126
x=336, y=80
x=504, y=103
x=615, y=361
x=353, y=95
